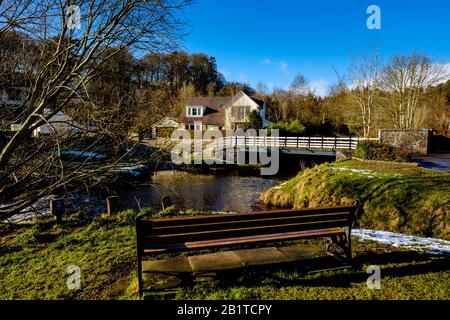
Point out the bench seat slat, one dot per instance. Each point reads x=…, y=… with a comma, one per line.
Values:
x=200, y=245
x=261, y=222
x=161, y=222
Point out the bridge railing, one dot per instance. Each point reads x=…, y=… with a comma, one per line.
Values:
x=323, y=143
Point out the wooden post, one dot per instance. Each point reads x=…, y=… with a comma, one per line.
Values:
x=112, y=204
x=57, y=208
x=166, y=202
x=139, y=254
x=350, y=144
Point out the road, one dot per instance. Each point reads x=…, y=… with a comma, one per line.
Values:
x=439, y=162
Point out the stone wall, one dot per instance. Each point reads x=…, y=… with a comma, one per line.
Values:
x=412, y=141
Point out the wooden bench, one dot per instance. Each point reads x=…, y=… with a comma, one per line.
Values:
x=167, y=235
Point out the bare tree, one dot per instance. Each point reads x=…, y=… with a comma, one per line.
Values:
x=406, y=78
x=300, y=86
x=363, y=85
x=58, y=74
x=261, y=88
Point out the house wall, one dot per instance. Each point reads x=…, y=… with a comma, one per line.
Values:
x=242, y=101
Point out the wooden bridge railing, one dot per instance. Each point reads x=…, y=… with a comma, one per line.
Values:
x=324, y=143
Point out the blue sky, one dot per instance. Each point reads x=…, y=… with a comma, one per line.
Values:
x=273, y=40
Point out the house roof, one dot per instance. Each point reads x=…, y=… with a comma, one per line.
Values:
x=213, y=117
x=258, y=101
x=210, y=102
x=165, y=121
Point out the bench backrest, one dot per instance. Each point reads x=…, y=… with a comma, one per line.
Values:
x=166, y=231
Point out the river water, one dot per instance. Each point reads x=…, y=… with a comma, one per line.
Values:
x=231, y=191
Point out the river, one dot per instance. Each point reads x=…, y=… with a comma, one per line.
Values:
x=230, y=191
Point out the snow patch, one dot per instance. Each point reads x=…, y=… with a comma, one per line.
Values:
x=399, y=240
x=369, y=173
x=135, y=170
x=87, y=154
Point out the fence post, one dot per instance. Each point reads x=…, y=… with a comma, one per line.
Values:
x=350, y=144
x=57, y=208
x=166, y=202
x=112, y=205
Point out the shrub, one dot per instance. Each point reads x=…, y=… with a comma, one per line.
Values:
x=254, y=121
x=374, y=150
x=169, y=211
x=292, y=128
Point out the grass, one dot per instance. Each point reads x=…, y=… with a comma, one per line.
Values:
x=404, y=276
x=34, y=261
x=396, y=197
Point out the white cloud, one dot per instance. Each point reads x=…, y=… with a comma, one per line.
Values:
x=320, y=87
x=224, y=72
x=284, y=67
x=243, y=77
x=266, y=61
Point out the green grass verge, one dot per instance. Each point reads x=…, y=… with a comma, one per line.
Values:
x=34, y=261
x=396, y=197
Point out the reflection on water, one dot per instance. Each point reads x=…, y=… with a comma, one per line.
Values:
x=216, y=192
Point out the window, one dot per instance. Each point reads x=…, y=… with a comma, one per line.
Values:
x=194, y=111
x=240, y=113
x=198, y=125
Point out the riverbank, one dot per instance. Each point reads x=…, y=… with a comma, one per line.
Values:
x=34, y=261
x=398, y=197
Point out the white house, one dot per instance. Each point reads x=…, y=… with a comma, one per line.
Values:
x=59, y=123
x=205, y=113
x=165, y=123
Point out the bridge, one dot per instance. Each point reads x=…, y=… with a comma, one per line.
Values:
x=321, y=146
x=295, y=145
x=308, y=143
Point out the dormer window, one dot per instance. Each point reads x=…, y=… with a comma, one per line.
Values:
x=194, y=111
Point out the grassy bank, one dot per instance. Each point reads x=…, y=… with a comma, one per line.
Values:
x=34, y=261
x=396, y=197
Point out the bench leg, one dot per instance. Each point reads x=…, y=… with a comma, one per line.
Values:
x=139, y=271
x=340, y=245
